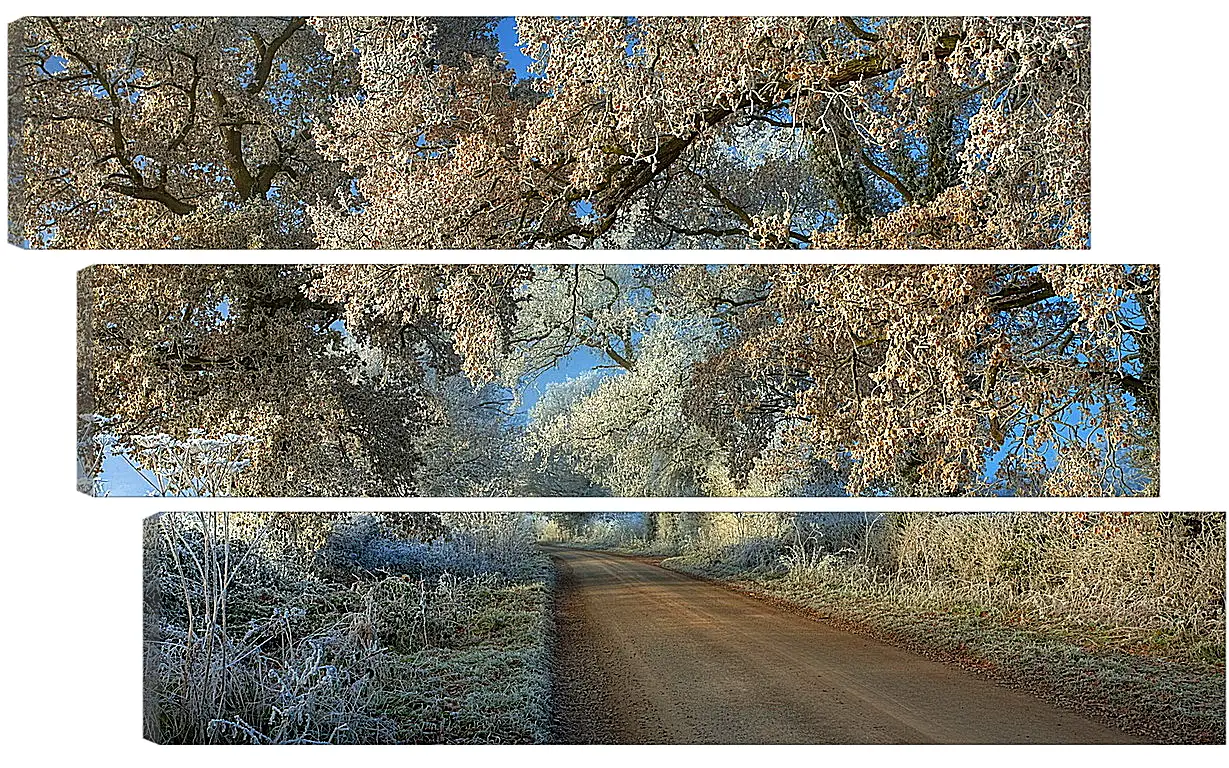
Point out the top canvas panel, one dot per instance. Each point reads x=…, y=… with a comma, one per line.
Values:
x=534, y=132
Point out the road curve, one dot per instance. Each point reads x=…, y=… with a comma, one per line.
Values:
x=649, y=655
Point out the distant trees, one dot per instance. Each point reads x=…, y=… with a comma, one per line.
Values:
x=704, y=380
x=411, y=132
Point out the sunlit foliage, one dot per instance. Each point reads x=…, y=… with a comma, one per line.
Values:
x=412, y=132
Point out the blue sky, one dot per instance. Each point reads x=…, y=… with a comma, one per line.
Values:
x=579, y=362
x=505, y=30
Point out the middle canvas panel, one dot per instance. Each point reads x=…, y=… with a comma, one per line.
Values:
x=619, y=380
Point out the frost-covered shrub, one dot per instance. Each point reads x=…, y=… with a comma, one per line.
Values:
x=197, y=466
x=330, y=689
x=252, y=580
x=358, y=545
x=246, y=641
x=500, y=541
x=832, y=547
x=752, y=541
x=756, y=553
x=228, y=687
x=362, y=547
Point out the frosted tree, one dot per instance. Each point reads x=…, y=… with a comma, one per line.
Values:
x=412, y=132
x=628, y=433
x=915, y=379
x=263, y=351
x=567, y=307
x=169, y=132
x=771, y=132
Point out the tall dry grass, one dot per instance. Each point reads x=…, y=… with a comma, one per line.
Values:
x=1156, y=579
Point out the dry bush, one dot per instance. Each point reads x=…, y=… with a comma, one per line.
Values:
x=741, y=540
x=1151, y=579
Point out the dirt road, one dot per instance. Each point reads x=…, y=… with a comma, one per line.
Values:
x=648, y=655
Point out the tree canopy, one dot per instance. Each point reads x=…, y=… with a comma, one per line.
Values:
x=646, y=132
x=655, y=379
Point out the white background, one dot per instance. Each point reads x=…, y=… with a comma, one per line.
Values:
x=71, y=656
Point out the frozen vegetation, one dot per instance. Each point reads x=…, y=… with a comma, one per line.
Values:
x=319, y=628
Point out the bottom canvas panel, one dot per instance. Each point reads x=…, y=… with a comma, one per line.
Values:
x=797, y=628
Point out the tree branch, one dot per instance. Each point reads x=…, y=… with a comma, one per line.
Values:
x=232, y=142
x=627, y=176
x=1021, y=296
x=266, y=52
x=857, y=31
x=157, y=194
x=139, y=189
x=896, y=183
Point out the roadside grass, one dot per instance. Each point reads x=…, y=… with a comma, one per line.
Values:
x=286, y=654
x=479, y=671
x=490, y=684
